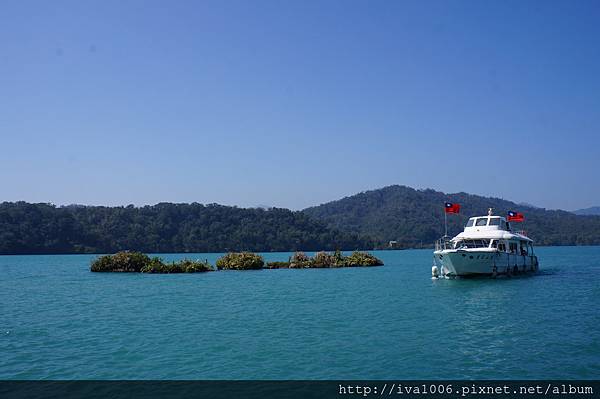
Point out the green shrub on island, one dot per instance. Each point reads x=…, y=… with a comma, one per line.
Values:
x=322, y=259
x=300, y=261
x=125, y=261
x=277, y=265
x=195, y=266
x=136, y=262
x=240, y=261
x=331, y=260
x=184, y=266
x=362, y=259
x=325, y=259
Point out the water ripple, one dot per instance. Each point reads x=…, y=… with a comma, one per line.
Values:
x=59, y=321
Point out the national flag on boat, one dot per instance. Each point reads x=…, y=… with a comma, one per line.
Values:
x=515, y=216
x=452, y=208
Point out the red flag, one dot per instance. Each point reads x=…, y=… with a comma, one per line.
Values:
x=451, y=208
x=515, y=216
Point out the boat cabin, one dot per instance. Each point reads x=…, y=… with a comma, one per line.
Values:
x=492, y=233
x=486, y=246
x=482, y=223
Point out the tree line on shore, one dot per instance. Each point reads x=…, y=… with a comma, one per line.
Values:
x=164, y=228
x=370, y=220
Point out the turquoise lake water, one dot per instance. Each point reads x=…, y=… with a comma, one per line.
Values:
x=60, y=321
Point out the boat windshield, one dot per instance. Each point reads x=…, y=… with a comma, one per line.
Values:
x=471, y=244
x=495, y=221
x=470, y=222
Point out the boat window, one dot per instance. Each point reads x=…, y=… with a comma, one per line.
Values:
x=481, y=222
x=471, y=244
x=495, y=221
x=494, y=244
x=502, y=246
x=513, y=247
x=503, y=225
x=524, y=251
x=470, y=222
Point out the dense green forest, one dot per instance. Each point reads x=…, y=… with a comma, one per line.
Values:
x=415, y=218
x=45, y=229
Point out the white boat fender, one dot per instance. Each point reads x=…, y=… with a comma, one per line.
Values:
x=444, y=271
x=435, y=272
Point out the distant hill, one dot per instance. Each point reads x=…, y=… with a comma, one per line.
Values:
x=528, y=205
x=415, y=218
x=46, y=229
x=594, y=210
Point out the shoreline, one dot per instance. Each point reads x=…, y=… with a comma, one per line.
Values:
x=268, y=252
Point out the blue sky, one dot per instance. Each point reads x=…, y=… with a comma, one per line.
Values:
x=293, y=104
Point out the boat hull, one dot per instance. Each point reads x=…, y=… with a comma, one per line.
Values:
x=473, y=263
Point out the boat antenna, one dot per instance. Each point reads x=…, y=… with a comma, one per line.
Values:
x=490, y=211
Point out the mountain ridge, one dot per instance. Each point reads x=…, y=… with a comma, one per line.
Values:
x=591, y=211
x=415, y=218
x=366, y=220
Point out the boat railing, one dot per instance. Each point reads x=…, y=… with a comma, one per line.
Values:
x=443, y=243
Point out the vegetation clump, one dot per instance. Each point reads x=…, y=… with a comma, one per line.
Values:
x=125, y=261
x=277, y=265
x=329, y=260
x=240, y=261
x=191, y=266
x=300, y=261
x=324, y=259
x=359, y=258
x=184, y=266
x=136, y=262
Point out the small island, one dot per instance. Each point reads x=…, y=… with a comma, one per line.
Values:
x=327, y=260
x=136, y=262
x=240, y=261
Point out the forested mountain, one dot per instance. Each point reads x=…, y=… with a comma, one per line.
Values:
x=416, y=217
x=413, y=218
x=42, y=228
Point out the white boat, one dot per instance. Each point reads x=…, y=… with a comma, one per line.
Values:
x=487, y=246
